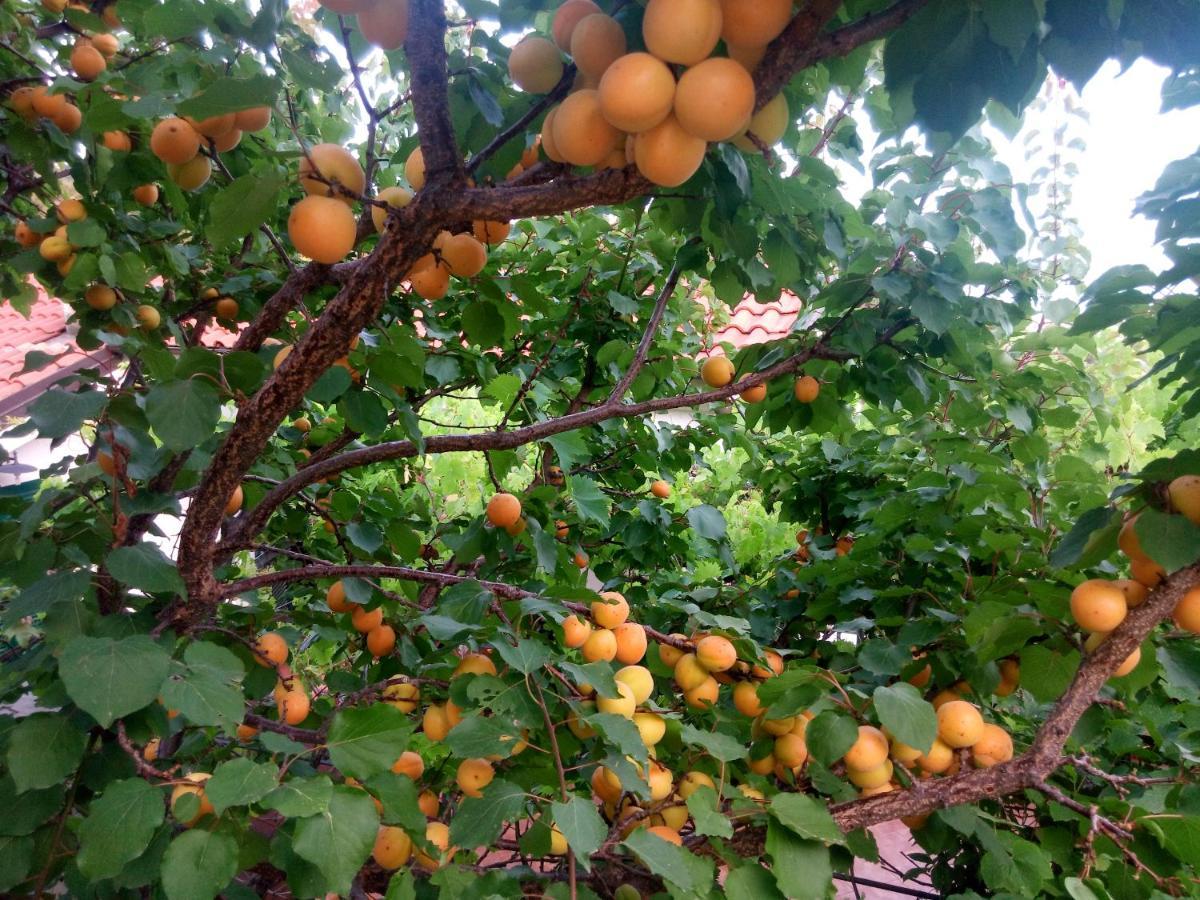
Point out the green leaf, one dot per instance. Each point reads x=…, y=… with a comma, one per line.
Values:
x=707, y=521
x=1179, y=835
x=402, y=886
x=111, y=678
x=571, y=448
x=241, y=206
x=144, y=567
x=240, y=782
x=621, y=733
x=88, y=233
x=16, y=859
x=1092, y=538
x=526, y=657
x=807, y=817
x=1174, y=539
x=589, y=500
x=59, y=587
x=907, y=715
x=206, y=688
x=1045, y=673
x=183, y=414
x=299, y=797
x=480, y=820
x=829, y=736
x=476, y=736
x=368, y=740
x=688, y=874
x=482, y=323
x=792, y=692
x=398, y=795
x=707, y=815
x=118, y=827
x=34, y=807
x=582, y=826
x=43, y=750
x=198, y=864
x=751, y=882
x=802, y=867
x=59, y=413
x=227, y=94
x=723, y=747
x=598, y=674
x=339, y=840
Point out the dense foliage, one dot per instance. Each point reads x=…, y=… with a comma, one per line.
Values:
x=391, y=542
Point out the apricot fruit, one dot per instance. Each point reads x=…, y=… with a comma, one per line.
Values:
x=191, y=175
x=575, y=631
x=1098, y=605
x=146, y=194
x=768, y=125
x=474, y=775
x=173, y=140
x=1184, y=493
x=463, y=255
x=409, y=763
x=636, y=92
x=582, y=136
x=322, y=228
x=567, y=17
x=869, y=751
x=660, y=489
x=667, y=155
x=194, y=786
x=938, y=759
x=682, y=31
x=601, y=645
x=100, y=296
x=393, y=847
x=381, y=640
x=703, y=695
x=689, y=673
x=256, y=118
x=994, y=746
x=715, y=99
x=960, y=724
x=639, y=680
x=364, y=620
x=1187, y=611
x=86, y=61
x=624, y=704
x=715, y=653
x=806, y=389
x=535, y=65
x=597, y=41
x=503, y=510
x=293, y=706
x=385, y=23
x=327, y=168
x=717, y=371
x=631, y=643
x=270, y=650
x=117, y=141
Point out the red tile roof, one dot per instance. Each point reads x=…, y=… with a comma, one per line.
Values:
x=751, y=322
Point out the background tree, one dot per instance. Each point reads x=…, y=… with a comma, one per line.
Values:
x=464, y=314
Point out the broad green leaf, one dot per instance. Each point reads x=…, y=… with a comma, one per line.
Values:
x=110, y=678
x=1175, y=541
x=1179, y=835
x=1093, y=537
x=907, y=715
x=589, y=500
x=707, y=521
x=198, y=864
x=582, y=826
x=145, y=567
x=206, y=688
x=688, y=874
x=299, y=797
x=807, y=817
x=398, y=795
x=242, y=205
x=802, y=867
x=118, y=827
x=480, y=820
x=720, y=746
x=230, y=94
x=16, y=860
x=65, y=587
x=526, y=657
x=339, y=840
x=44, y=750
x=33, y=808
x=571, y=449
x=367, y=740
x=751, y=882
x=240, y=782
x=1046, y=673
x=183, y=414
x=706, y=814
x=59, y=413
x=477, y=736
x=829, y=736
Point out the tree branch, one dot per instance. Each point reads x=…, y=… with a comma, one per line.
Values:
x=426, y=50
x=543, y=103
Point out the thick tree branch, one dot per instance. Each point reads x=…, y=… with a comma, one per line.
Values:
x=426, y=50
x=507, y=440
x=1045, y=754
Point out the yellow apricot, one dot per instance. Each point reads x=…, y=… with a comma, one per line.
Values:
x=682, y=31
x=715, y=99
x=1098, y=605
x=582, y=136
x=173, y=140
x=960, y=724
x=535, y=65
x=322, y=228
x=596, y=43
x=326, y=168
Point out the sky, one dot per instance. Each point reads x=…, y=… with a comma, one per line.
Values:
x=1129, y=142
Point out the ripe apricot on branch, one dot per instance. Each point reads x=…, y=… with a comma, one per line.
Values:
x=636, y=92
x=567, y=17
x=610, y=610
x=960, y=724
x=715, y=99
x=715, y=653
x=330, y=170
x=631, y=642
x=381, y=640
x=384, y=23
x=322, y=228
x=503, y=510
x=660, y=489
x=668, y=155
x=1187, y=611
x=682, y=31
x=596, y=43
x=754, y=24
x=474, y=775
x=582, y=136
x=270, y=650
x=365, y=620
x=807, y=388
x=1098, y=605
x=717, y=371
x=173, y=140
x=600, y=646
x=535, y=65
x=869, y=751
x=393, y=847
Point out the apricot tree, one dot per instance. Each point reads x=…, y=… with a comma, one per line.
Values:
x=407, y=556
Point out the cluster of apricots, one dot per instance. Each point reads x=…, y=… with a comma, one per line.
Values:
x=1099, y=605
x=177, y=142
x=380, y=637
x=717, y=371
x=609, y=635
x=629, y=108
